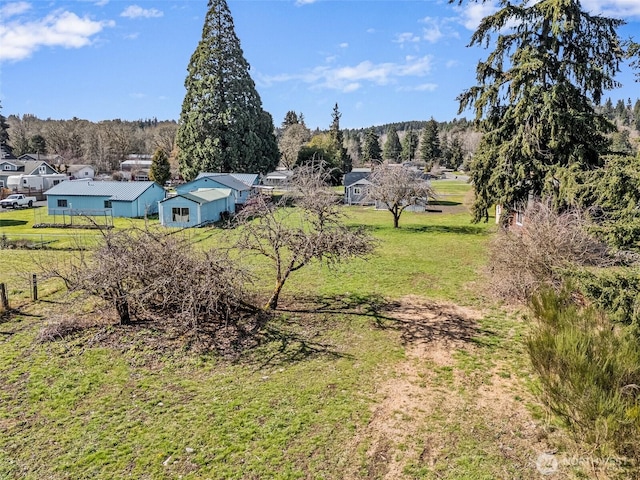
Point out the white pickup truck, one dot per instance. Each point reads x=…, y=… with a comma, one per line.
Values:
x=17, y=200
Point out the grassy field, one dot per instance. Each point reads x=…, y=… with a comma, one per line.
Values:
x=391, y=368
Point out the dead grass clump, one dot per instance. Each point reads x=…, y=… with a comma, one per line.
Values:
x=61, y=327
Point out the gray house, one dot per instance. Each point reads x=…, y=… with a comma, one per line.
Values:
x=24, y=174
x=121, y=199
x=357, y=193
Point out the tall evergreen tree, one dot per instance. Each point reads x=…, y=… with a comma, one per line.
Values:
x=371, y=151
x=4, y=130
x=223, y=126
x=343, y=161
x=410, y=143
x=430, y=151
x=534, y=99
x=291, y=118
x=160, y=170
x=392, y=147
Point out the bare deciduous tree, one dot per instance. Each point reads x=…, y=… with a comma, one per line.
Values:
x=293, y=237
x=292, y=140
x=396, y=188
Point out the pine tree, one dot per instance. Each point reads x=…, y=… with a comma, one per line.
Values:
x=291, y=118
x=223, y=126
x=410, y=143
x=430, y=151
x=392, y=146
x=535, y=96
x=371, y=151
x=4, y=130
x=160, y=171
x=343, y=161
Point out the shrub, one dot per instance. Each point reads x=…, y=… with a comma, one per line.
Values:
x=589, y=371
x=142, y=273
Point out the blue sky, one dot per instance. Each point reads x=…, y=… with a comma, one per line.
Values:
x=381, y=61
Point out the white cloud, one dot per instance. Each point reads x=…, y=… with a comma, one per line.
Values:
x=135, y=11
x=423, y=87
x=473, y=13
x=613, y=8
x=14, y=8
x=304, y=2
x=352, y=78
x=19, y=38
x=406, y=37
x=344, y=45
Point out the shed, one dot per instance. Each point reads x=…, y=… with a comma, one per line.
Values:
x=123, y=199
x=196, y=208
x=357, y=192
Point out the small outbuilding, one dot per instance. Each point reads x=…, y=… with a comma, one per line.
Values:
x=196, y=208
x=120, y=199
x=357, y=193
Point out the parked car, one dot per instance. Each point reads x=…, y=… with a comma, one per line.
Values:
x=17, y=200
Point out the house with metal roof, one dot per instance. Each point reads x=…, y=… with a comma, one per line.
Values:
x=249, y=179
x=240, y=190
x=121, y=199
x=196, y=208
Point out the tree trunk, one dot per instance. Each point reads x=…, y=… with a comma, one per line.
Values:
x=272, y=304
x=122, y=307
x=396, y=220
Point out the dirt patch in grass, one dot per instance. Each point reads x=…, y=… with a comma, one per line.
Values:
x=446, y=403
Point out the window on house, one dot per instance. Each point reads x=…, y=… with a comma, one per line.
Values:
x=7, y=167
x=356, y=191
x=107, y=204
x=519, y=218
x=62, y=203
x=42, y=169
x=180, y=214
x=56, y=182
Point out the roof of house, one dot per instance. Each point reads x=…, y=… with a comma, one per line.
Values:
x=249, y=179
x=227, y=180
x=353, y=176
x=137, y=162
x=77, y=168
x=38, y=157
x=27, y=167
x=280, y=174
x=204, y=195
x=361, y=181
x=118, y=191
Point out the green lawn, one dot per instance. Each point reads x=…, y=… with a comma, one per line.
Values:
x=361, y=375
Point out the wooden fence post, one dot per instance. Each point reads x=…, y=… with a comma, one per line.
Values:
x=34, y=287
x=4, y=301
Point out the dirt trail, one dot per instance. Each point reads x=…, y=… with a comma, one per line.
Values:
x=431, y=404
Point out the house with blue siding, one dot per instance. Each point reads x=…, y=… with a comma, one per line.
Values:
x=240, y=190
x=196, y=208
x=122, y=199
x=249, y=179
